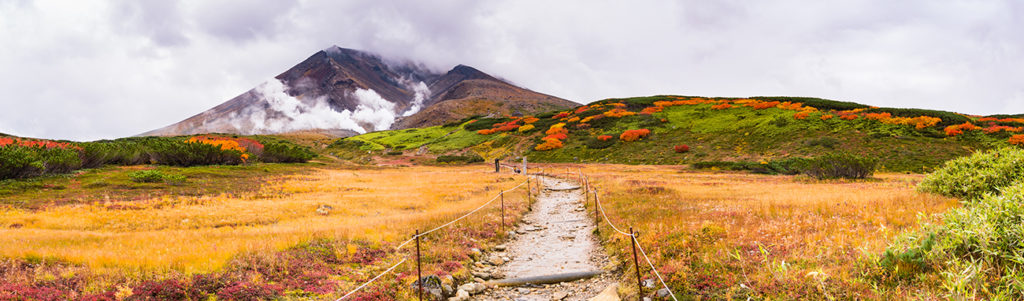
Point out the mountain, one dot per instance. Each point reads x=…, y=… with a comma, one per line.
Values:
x=753, y=133
x=346, y=92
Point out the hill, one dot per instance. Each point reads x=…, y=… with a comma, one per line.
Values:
x=346, y=92
x=716, y=132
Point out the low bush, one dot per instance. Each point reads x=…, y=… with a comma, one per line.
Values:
x=948, y=118
x=975, y=250
x=826, y=142
x=597, y=143
x=973, y=176
x=281, y=152
x=484, y=123
x=155, y=176
x=457, y=159
x=19, y=162
x=840, y=165
x=681, y=148
x=821, y=104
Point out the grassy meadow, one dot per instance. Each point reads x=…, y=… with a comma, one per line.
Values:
x=122, y=245
x=738, y=235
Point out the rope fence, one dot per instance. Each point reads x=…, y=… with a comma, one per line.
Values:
x=419, y=235
x=588, y=189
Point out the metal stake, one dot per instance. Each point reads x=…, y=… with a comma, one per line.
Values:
x=636, y=262
x=419, y=272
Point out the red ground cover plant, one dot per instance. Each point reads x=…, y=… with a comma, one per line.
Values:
x=47, y=144
x=560, y=115
x=681, y=148
x=634, y=135
x=604, y=137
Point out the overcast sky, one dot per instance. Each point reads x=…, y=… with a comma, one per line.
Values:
x=84, y=70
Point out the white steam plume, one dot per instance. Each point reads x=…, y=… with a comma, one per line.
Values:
x=421, y=91
x=284, y=113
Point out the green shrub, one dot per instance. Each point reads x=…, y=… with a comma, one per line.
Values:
x=281, y=152
x=484, y=123
x=840, y=165
x=976, y=249
x=59, y=160
x=19, y=162
x=456, y=159
x=155, y=176
x=594, y=143
x=971, y=177
x=146, y=176
x=178, y=153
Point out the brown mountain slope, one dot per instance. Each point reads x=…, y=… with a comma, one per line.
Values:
x=349, y=91
x=482, y=97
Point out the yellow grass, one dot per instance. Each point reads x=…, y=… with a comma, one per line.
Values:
x=702, y=226
x=200, y=234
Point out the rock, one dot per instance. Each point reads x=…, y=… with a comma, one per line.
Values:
x=431, y=284
x=481, y=275
x=559, y=296
x=500, y=248
x=648, y=283
x=461, y=295
x=436, y=294
x=324, y=210
x=523, y=291
x=446, y=290
x=662, y=293
x=473, y=288
x=611, y=293
x=520, y=231
x=495, y=260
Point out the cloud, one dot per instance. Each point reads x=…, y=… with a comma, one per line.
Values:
x=94, y=69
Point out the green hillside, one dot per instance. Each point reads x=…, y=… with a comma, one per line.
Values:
x=752, y=130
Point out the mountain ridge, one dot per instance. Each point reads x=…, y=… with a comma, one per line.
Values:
x=350, y=91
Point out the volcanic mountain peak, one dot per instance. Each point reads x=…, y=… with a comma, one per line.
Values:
x=353, y=91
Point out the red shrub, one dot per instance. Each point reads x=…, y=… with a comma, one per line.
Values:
x=249, y=291
x=159, y=290
x=560, y=115
x=604, y=137
x=682, y=148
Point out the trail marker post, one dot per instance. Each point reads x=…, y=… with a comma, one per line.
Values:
x=419, y=272
x=636, y=262
x=497, y=166
x=502, y=194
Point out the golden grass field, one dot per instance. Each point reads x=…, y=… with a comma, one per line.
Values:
x=200, y=234
x=711, y=234
x=732, y=235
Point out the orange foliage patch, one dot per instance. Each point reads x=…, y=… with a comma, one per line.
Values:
x=560, y=115
x=826, y=117
x=958, y=129
x=634, y=135
x=618, y=113
x=650, y=110
x=721, y=106
x=604, y=137
x=801, y=115
x=529, y=120
x=47, y=144
x=761, y=105
x=1017, y=140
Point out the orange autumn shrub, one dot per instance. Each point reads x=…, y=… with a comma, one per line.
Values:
x=604, y=137
x=560, y=115
x=721, y=106
x=826, y=117
x=801, y=115
x=549, y=144
x=1016, y=140
x=761, y=105
x=618, y=105
x=486, y=132
x=582, y=109
x=1001, y=128
x=958, y=129
x=559, y=136
x=848, y=117
x=634, y=135
x=650, y=110
x=617, y=113
x=558, y=128
x=529, y=120
x=243, y=145
x=573, y=119
x=877, y=116
x=47, y=144
x=589, y=118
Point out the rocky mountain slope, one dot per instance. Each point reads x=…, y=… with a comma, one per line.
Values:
x=346, y=92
